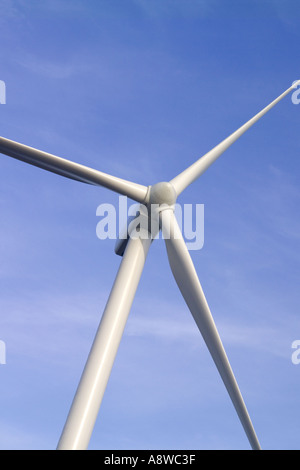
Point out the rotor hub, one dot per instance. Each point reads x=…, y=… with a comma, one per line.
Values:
x=162, y=193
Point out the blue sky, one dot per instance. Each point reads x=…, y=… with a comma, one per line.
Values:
x=141, y=89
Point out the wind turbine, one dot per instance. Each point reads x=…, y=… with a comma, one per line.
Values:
x=87, y=400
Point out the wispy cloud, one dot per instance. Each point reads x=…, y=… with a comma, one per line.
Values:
x=287, y=13
x=175, y=325
x=8, y=9
x=52, y=329
x=14, y=437
x=189, y=8
x=275, y=198
x=48, y=68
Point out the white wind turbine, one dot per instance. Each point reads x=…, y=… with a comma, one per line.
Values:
x=84, y=410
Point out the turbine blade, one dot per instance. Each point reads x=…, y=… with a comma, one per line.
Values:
x=72, y=170
x=187, y=280
x=188, y=176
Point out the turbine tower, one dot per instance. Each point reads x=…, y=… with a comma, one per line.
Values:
x=87, y=400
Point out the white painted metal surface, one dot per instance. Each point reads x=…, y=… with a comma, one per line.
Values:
x=188, y=176
x=87, y=400
x=86, y=403
x=187, y=280
x=72, y=170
